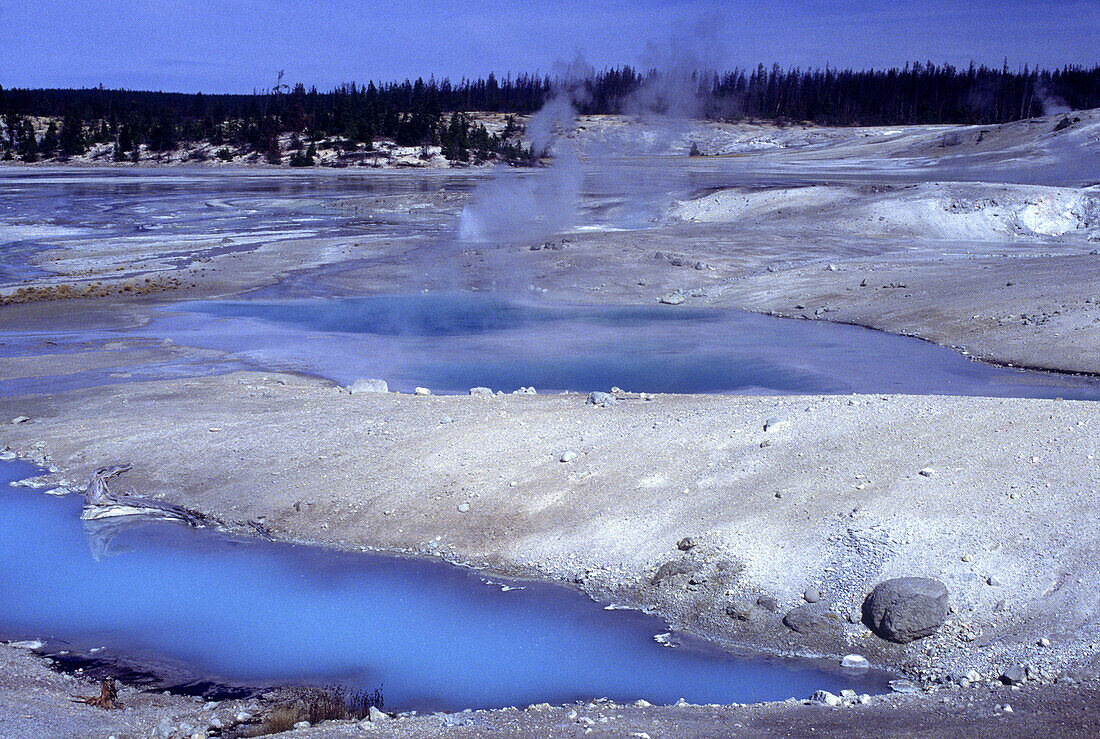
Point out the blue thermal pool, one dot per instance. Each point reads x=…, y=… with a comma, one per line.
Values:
x=452, y=342
x=433, y=636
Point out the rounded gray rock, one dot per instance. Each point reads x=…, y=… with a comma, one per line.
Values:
x=1014, y=675
x=812, y=619
x=906, y=608
x=767, y=602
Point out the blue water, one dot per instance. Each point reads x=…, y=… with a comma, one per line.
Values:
x=436, y=637
x=452, y=342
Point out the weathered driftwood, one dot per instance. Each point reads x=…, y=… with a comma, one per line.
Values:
x=107, y=698
x=100, y=502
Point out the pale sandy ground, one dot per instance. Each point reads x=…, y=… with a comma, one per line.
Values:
x=1012, y=494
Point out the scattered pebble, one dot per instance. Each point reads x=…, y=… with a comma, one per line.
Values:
x=20, y=419
x=463, y=507
x=812, y=595
x=927, y=472
x=568, y=456
x=992, y=580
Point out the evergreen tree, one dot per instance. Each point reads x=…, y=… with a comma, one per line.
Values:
x=72, y=135
x=47, y=147
x=28, y=143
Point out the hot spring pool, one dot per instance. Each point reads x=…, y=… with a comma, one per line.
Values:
x=434, y=636
x=452, y=342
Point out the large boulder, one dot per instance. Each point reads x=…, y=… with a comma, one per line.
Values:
x=906, y=608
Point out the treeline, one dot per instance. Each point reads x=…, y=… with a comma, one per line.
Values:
x=354, y=117
x=350, y=118
x=914, y=95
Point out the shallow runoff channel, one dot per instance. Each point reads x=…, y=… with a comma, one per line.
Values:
x=433, y=636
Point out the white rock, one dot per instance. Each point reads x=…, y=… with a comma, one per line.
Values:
x=422, y=391
x=366, y=725
x=927, y=472
x=463, y=507
x=826, y=698
x=243, y=716
x=368, y=386
x=568, y=456
x=673, y=298
x=28, y=644
x=20, y=419
x=376, y=714
x=642, y=703
x=855, y=662
x=1044, y=642
x=479, y=390
x=302, y=725
x=774, y=423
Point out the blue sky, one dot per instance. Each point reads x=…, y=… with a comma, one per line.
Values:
x=239, y=45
